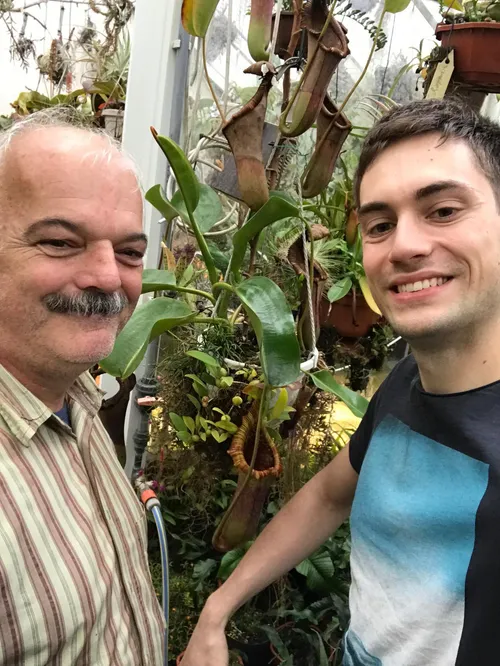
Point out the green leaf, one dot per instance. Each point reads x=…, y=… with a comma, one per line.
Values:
x=339, y=289
x=317, y=568
x=200, y=389
x=277, y=642
x=219, y=436
x=219, y=411
x=455, y=4
x=229, y=426
x=395, y=6
x=204, y=358
x=231, y=560
x=189, y=423
x=177, y=421
x=147, y=323
x=154, y=279
x=196, y=379
x=203, y=423
x=202, y=571
x=208, y=211
x=279, y=405
x=156, y=198
x=220, y=258
x=226, y=382
x=183, y=171
x=357, y=403
x=323, y=658
x=184, y=436
x=195, y=402
x=272, y=321
x=276, y=208
x=187, y=276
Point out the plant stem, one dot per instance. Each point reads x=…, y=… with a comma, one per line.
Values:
x=365, y=69
x=209, y=82
x=235, y=314
x=222, y=285
x=211, y=320
x=188, y=290
x=225, y=296
x=223, y=304
x=202, y=244
x=253, y=254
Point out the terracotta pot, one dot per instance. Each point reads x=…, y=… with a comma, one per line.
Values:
x=339, y=315
x=476, y=53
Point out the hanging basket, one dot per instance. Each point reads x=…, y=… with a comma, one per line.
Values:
x=476, y=53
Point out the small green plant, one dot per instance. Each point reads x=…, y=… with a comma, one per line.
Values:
x=209, y=421
x=471, y=11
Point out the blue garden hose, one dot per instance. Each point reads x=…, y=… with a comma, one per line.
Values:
x=160, y=526
x=152, y=503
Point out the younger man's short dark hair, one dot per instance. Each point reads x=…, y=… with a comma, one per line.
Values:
x=452, y=118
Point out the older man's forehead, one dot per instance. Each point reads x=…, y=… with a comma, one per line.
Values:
x=69, y=174
x=62, y=156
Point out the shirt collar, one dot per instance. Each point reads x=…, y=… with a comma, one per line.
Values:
x=24, y=413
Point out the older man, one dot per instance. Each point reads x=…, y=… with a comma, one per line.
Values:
x=74, y=581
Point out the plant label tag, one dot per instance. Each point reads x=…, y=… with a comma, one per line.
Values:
x=441, y=78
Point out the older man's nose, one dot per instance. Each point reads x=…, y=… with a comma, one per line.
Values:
x=99, y=270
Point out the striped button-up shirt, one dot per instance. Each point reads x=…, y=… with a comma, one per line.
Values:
x=75, y=588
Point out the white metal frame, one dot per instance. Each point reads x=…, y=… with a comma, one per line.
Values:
x=157, y=43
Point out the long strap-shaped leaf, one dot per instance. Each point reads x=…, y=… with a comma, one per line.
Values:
x=273, y=324
x=189, y=187
x=276, y=208
x=148, y=322
x=357, y=403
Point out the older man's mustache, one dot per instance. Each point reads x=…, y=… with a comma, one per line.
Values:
x=88, y=303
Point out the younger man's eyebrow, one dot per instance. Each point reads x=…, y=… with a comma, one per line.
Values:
x=421, y=193
x=439, y=186
x=373, y=207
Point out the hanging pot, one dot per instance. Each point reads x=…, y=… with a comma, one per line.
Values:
x=476, y=53
x=348, y=319
x=285, y=31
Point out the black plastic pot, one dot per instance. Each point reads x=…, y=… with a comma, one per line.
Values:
x=254, y=654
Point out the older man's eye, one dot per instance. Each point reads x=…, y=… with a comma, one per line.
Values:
x=131, y=256
x=55, y=242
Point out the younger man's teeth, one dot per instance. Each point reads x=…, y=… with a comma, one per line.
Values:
x=421, y=284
